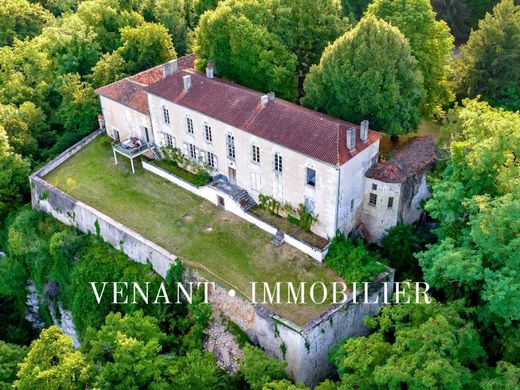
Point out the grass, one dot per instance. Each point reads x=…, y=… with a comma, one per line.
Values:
x=426, y=127
x=290, y=228
x=188, y=226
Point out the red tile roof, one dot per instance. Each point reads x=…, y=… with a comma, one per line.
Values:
x=415, y=156
x=130, y=91
x=306, y=131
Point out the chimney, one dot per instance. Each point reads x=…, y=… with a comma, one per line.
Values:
x=170, y=68
x=187, y=82
x=264, y=100
x=271, y=96
x=363, y=131
x=351, y=139
x=209, y=71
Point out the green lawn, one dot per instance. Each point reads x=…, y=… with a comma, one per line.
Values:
x=186, y=225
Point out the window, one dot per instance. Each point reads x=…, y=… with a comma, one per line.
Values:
x=207, y=133
x=170, y=141
x=311, y=177
x=189, y=125
x=255, y=181
x=166, y=115
x=278, y=166
x=192, y=151
x=372, y=201
x=351, y=204
x=211, y=160
x=309, y=205
x=230, y=146
x=374, y=187
x=390, y=202
x=256, y=154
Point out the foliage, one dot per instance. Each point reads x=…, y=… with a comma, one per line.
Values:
x=399, y=246
x=13, y=177
x=10, y=356
x=306, y=219
x=258, y=369
x=269, y=204
x=456, y=14
x=355, y=9
x=490, y=61
x=21, y=19
x=52, y=363
x=368, y=73
x=413, y=346
x=431, y=44
x=177, y=163
x=110, y=67
x=195, y=370
x=352, y=260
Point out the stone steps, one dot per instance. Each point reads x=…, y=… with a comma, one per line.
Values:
x=244, y=200
x=278, y=238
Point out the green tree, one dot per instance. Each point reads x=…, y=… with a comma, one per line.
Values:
x=10, y=356
x=52, y=363
x=172, y=15
x=244, y=52
x=21, y=19
x=20, y=123
x=13, y=177
x=355, y=8
x=456, y=14
x=431, y=44
x=368, y=73
x=259, y=369
x=110, y=67
x=352, y=260
x=195, y=370
x=476, y=200
x=145, y=46
x=490, y=62
x=414, y=346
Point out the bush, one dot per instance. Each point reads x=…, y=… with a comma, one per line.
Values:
x=259, y=369
x=352, y=260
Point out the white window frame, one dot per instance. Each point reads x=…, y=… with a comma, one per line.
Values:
x=278, y=163
x=166, y=115
x=230, y=146
x=255, y=153
x=307, y=182
x=211, y=160
x=189, y=125
x=374, y=197
x=192, y=151
x=169, y=140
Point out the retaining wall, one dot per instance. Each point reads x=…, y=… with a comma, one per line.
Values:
x=306, y=347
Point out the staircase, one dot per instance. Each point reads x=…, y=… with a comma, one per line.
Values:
x=244, y=200
x=157, y=154
x=278, y=238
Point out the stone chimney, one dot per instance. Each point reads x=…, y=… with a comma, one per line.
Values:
x=351, y=139
x=271, y=96
x=170, y=68
x=264, y=100
x=363, y=131
x=187, y=82
x=209, y=71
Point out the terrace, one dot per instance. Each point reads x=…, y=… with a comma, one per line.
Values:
x=234, y=250
x=133, y=147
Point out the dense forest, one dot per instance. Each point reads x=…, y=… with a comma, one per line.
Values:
x=393, y=62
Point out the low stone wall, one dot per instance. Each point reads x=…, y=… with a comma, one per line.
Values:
x=306, y=348
x=230, y=205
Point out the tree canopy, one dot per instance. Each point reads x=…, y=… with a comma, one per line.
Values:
x=368, y=73
x=489, y=65
x=431, y=44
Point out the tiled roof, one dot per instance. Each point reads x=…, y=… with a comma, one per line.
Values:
x=130, y=91
x=306, y=131
x=414, y=157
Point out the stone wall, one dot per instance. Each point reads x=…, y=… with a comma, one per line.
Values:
x=306, y=348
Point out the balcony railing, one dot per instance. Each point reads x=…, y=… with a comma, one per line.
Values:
x=131, y=149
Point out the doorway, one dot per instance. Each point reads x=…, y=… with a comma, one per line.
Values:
x=232, y=175
x=146, y=134
x=220, y=201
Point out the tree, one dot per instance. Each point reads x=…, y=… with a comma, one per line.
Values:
x=368, y=73
x=258, y=369
x=10, y=356
x=355, y=8
x=413, y=346
x=21, y=19
x=172, y=15
x=431, y=44
x=490, y=62
x=352, y=260
x=195, y=370
x=110, y=67
x=145, y=46
x=19, y=123
x=244, y=52
x=456, y=14
x=52, y=363
x=13, y=177
x=476, y=200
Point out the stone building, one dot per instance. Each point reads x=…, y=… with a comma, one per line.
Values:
x=394, y=189
x=252, y=141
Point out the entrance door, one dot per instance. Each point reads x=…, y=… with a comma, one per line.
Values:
x=146, y=134
x=232, y=175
